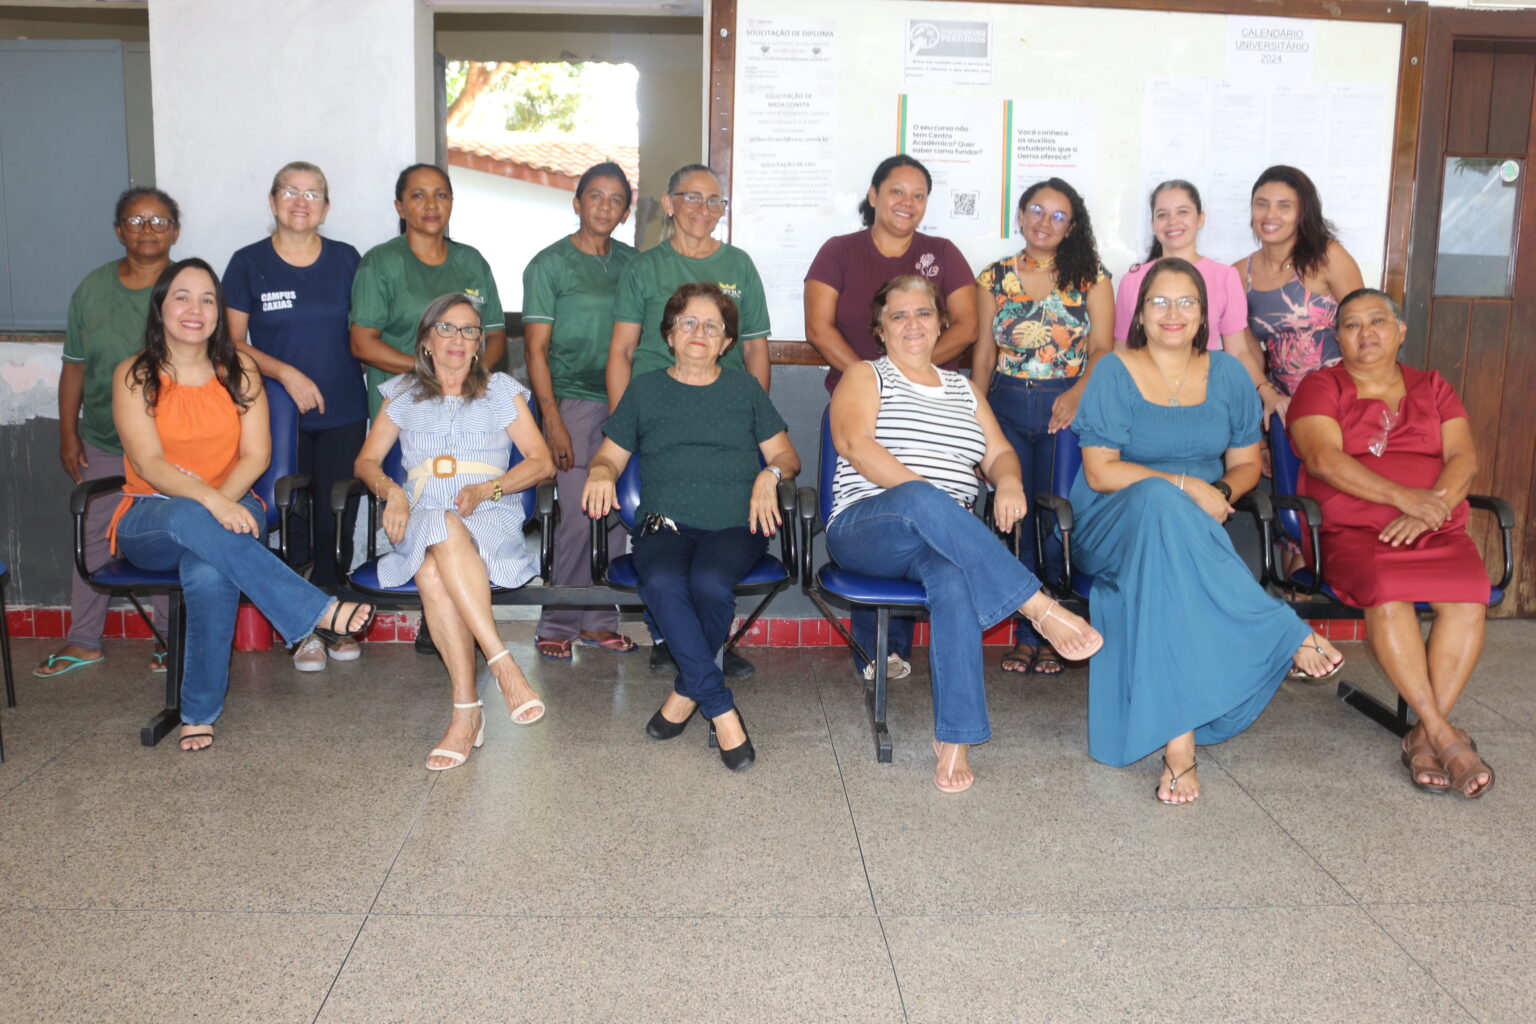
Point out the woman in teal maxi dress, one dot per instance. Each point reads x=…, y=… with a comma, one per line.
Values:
x=1193, y=647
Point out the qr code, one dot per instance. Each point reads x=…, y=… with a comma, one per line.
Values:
x=964, y=204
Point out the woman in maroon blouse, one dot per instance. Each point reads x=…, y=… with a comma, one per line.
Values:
x=1389, y=457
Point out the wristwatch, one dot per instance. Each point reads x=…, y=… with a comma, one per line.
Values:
x=778, y=474
x=496, y=491
x=1224, y=487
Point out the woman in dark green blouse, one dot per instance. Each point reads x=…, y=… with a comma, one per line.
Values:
x=707, y=506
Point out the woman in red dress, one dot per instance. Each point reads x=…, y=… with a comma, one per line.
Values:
x=1389, y=457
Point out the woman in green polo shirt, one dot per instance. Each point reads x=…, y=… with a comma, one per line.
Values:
x=396, y=280
x=688, y=253
x=106, y=326
x=568, y=292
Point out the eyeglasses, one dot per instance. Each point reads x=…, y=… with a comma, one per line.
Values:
x=1388, y=420
x=695, y=198
x=159, y=225
x=291, y=194
x=1162, y=303
x=922, y=314
x=1058, y=217
x=444, y=329
x=690, y=324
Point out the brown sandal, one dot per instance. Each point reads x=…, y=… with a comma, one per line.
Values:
x=1419, y=758
x=1460, y=780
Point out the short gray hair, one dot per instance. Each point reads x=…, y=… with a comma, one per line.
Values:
x=1370, y=293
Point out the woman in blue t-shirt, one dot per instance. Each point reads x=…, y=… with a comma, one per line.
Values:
x=288, y=297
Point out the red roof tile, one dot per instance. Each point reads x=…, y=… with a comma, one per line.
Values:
x=540, y=152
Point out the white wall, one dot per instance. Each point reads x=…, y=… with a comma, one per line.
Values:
x=242, y=88
x=509, y=221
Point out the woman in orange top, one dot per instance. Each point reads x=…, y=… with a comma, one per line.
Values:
x=192, y=416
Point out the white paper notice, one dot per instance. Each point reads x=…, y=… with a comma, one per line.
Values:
x=785, y=155
x=1270, y=49
x=957, y=141
x=941, y=52
x=1045, y=140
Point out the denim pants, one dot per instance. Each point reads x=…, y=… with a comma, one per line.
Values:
x=1023, y=410
x=688, y=582
x=917, y=532
x=215, y=566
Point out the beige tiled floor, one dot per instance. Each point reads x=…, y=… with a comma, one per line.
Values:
x=307, y=869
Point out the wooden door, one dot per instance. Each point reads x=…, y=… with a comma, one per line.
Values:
x=1471, y=281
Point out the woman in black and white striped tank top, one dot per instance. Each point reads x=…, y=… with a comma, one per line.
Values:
x=910, y=440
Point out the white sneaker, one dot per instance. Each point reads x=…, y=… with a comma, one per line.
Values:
x=348, y=650
x=309, y=656
x=895, y=668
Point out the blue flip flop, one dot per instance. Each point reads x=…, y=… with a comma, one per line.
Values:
x=54, y=659
x=159, y=659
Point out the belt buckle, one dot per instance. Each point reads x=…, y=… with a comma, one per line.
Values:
x=438, y=471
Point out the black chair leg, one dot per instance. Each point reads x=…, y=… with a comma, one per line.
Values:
x=5, y=655
x=746, y=623
x=875, y=692
x=169, y=718
x=1397, y=723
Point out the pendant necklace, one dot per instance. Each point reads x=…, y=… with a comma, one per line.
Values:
x=1173, y=392
x=604, y=261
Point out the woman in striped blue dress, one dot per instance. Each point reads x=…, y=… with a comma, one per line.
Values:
x=456, y=424
x=910, y=438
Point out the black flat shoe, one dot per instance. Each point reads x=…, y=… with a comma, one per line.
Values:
x=661, y=658
x=739, y=758
x=660, y=727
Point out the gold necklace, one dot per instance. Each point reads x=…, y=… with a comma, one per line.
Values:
x=1173, y=392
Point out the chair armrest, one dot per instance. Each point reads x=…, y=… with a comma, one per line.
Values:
x=1506, y=516
x=544, y=507
x=806, y=507
x=1061, y=509
x=85, y=490
x=789, y=508
x=600, y=556
x=1311, y=520
x=285, y=487
x=342, y=492
x=79, y=498
x=1263, y=510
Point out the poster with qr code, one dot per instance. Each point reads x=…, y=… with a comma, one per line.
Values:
x=958, y=142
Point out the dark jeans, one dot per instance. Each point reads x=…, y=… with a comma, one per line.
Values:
x=1023, y=410
x=215, y=567
x=688, y=582
x=326, y=456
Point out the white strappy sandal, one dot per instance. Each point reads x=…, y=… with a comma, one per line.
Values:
x=453, y=755
x=527, y=705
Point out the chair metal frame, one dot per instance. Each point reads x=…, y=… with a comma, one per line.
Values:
x=280, y=490
x=1308, y=592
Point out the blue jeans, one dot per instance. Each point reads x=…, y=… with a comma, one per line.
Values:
x=1023, y=410
x=688, y=582
x=215, y=566
x=917, y=532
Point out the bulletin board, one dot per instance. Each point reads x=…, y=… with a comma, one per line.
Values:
x=809, y=95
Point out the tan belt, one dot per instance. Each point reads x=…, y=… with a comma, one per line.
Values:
x=443, y=467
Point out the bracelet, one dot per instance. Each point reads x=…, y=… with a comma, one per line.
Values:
x=1181, y=481
x=496, y=490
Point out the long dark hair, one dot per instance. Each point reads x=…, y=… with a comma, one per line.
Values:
x=883, y=171
x=1136, y=335
x=1077, y=258
x=145, y=370
x=606, y=169
x=1156, y=252
x=1313, y=231
x=405, y=174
